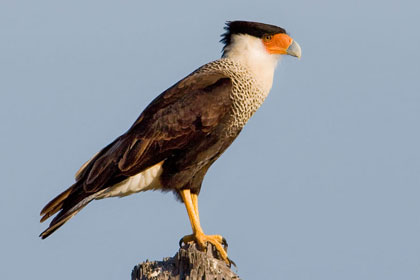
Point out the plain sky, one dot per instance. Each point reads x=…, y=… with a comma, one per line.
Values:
x=323, y=182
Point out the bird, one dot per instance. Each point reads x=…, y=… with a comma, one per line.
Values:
x=184, y=130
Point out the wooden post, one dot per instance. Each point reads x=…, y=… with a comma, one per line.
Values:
x=189, y=263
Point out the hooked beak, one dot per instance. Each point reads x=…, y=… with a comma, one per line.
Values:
x=294, y=50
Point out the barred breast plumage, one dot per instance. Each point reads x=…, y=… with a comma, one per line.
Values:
x=247, y=93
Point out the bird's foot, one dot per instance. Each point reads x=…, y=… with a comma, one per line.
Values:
x=218, y=241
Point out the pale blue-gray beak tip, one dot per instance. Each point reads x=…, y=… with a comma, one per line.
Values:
x=294, y=50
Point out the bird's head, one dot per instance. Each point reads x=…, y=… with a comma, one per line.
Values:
x=259, y=47
x=255, y=36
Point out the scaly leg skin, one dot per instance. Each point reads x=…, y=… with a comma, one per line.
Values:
x=198, y=236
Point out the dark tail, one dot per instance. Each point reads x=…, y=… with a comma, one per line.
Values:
x=72, y=200
x=68, y=203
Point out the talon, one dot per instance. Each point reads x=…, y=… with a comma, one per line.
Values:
x=231, y=262
x=186, y=239
x=225, y=244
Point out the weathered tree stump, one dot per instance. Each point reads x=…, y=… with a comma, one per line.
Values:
x=189, y=263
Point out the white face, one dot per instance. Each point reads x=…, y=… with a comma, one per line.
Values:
x=251, y=52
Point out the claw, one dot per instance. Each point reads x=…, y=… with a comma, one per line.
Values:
x=231, y=262
x=224, y=243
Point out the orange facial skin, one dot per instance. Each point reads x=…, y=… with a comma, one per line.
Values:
x=277, y=43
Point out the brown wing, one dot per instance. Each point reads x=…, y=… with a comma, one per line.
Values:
x=171, y=122
x=185, y=112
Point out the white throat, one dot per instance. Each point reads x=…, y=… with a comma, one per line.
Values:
x=251, y=52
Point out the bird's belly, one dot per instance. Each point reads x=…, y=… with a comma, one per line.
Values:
x=149, y=179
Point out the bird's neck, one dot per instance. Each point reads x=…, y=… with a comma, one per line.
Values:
x=251, y=52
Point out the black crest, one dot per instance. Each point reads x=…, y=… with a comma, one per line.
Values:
x=255, y=29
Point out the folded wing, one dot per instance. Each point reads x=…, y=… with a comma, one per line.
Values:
x=173, y=122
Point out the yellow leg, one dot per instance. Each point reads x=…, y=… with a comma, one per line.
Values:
x=198, y=236
x=194, y=198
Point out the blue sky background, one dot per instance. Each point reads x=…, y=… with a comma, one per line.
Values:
x=323, y=183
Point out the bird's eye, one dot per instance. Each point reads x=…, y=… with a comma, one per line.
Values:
x=267, y=37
